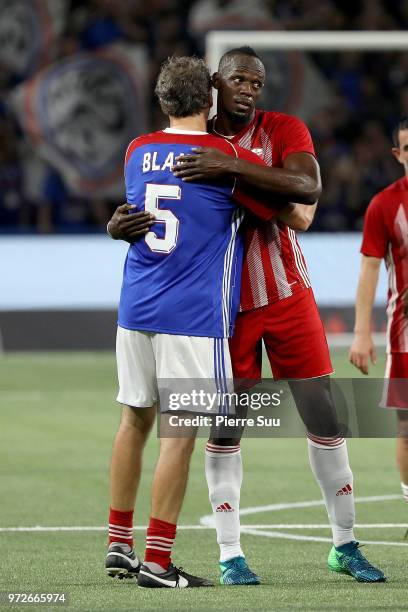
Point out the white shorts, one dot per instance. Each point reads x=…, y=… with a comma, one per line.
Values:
x=144, y=358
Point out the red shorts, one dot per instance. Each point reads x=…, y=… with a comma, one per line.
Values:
x=395, y=393
x=293, y=335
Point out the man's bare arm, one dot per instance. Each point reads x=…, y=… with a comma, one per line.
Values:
x=363, y=348
x=298, y=180
x=131, y=227
x=298, y=217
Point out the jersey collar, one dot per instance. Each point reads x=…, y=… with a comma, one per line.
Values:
x=190, y=132
x=241, y=131
x=213, y=120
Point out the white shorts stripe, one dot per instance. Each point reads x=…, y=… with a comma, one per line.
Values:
x=298, y=258
x=392, y=302
x=386, y=386
x=220, y=382
x=227, y=280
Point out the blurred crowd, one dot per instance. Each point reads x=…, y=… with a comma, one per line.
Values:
x=368, y=93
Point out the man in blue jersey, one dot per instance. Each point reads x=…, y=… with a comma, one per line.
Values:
x=177, y=308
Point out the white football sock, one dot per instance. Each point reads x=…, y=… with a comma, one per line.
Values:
x=223, y=471
x=404, y=488
x=330, y=465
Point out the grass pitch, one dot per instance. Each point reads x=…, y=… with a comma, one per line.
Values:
x=57, y=419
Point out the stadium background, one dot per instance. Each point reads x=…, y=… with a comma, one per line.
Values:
x=76, y=85
x=76, y=82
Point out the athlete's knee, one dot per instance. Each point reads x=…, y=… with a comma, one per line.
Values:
x=180, y=449
x=141, y=419
x=402, y=427
x=403, y=440
x=316, y=406
x=402, y=450
x=321, y=421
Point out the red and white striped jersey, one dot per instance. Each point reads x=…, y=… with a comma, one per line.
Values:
x=385, y=235
x=274, y=266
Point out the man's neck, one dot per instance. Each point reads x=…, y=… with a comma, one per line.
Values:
x=194, y=123
x=225, y=125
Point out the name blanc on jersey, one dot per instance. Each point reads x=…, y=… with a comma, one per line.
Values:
x=150, y=162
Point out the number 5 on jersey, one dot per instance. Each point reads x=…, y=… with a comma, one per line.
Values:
x=155, y=193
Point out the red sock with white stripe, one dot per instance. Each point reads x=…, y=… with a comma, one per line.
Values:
x=330, y=465
x=404, y=488
x=159, y=541
x=121, y=526
x=223, y=471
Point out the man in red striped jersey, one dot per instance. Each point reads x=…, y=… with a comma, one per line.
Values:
x=385, y=236
x=277, y=307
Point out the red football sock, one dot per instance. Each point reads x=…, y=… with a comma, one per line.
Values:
x=159, y=541
x=121, y=526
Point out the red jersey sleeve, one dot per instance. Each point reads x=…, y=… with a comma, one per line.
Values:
x=257, y=202
x=294, y=137
x=375, y=234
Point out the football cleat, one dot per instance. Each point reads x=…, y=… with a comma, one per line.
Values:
x=236, y=571
x=173, y=578
x=121, y=561
x=348, y=559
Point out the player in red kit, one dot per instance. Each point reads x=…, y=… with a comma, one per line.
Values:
x=274, y=267
x=277, y=307
x=385, y=236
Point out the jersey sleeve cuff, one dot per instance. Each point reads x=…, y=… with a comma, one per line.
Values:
x=255, y=205
x=372, y=253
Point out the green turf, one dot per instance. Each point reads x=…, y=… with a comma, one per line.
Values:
x=57, y=420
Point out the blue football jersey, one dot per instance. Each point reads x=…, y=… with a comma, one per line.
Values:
x=184, y=276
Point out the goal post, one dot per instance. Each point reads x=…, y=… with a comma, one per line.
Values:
x=219, y=41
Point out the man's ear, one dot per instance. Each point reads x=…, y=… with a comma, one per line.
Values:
x=216, y=80
x=397, y=154
x=210, y=99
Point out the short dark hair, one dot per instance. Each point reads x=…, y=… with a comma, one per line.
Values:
x=401, y=125
x=183, y=86
x=245, y=50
